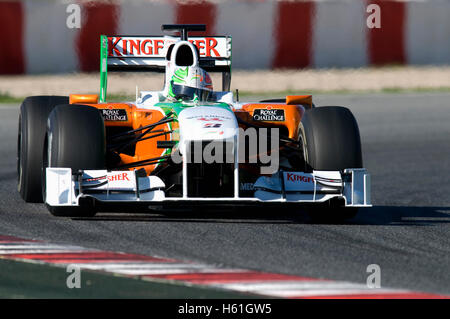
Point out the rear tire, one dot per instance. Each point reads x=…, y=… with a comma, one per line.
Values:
x=75, y=139
x=33, y=117
x=331, y=142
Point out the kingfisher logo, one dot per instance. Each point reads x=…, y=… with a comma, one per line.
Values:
x=156, y=46
x=296, y=178
x=118, y=177
x=123, y=47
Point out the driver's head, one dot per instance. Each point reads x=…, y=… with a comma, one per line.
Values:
x=190, y=83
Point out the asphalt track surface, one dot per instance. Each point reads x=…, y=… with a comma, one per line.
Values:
x=406, y=148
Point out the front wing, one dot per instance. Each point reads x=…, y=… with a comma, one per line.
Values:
x=67, y=188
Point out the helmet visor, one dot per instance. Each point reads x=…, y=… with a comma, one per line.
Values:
x=187, y=93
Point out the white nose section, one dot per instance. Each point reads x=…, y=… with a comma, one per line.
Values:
x=204, y=123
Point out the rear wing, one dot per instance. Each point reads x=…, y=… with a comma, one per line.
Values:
x=148, y=53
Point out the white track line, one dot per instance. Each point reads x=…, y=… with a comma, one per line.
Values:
x=148, y=265
x=165, y=271
x=305, y=288
x=328, y=292
x=154, y=268
x=39, y=248
x=41, y=251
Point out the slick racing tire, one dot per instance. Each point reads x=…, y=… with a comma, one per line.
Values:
x=33, y=117
x=75, y=139
x=331, y=142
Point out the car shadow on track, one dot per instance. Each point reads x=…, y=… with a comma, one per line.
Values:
x=239, y=215
x=377, y=215
x=403, y=215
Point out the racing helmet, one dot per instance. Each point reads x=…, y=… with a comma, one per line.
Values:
x=190, y=83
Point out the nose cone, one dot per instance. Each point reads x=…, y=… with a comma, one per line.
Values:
x=207, y=123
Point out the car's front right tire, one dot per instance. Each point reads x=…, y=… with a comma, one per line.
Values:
x=33, y=117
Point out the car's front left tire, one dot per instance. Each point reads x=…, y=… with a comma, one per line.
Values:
x=331, y=142
x=75, y=139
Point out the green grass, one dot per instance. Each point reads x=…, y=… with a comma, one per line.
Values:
x=275, y=94
x=315, y=91
x=31, y=280
x=5, y=98
x=124, y=97
x=120, y=97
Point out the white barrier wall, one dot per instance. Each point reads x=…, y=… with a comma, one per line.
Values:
x=339, y=34
x=428, y=36
x=266, y=33
x=49, y=45
x=250, y=24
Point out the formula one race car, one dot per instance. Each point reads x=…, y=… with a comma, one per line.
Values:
x=187, y=145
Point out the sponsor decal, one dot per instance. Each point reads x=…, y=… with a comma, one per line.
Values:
x=212, y=125
x=118, y=177
x=94, y=179
x=292, y=177
x=114, y=115
x=156, y=46
x=123, y=47
x=275, y=115
x=210, y=119
x=206, y=47
x=246, y=186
